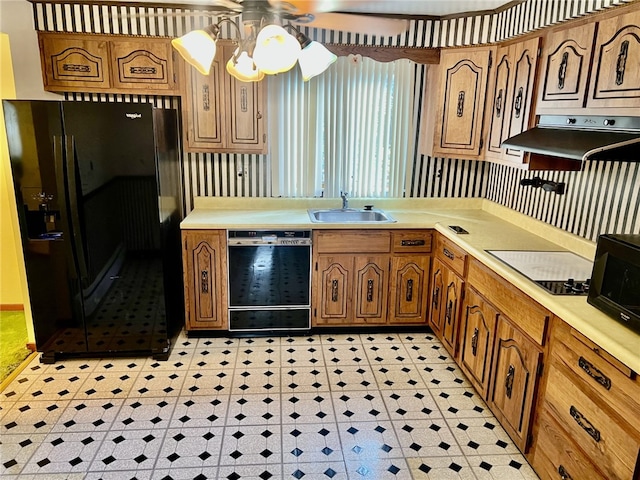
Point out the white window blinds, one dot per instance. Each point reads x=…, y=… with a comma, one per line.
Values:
x=350, y=129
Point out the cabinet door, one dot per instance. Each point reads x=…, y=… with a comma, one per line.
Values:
x=73, y=62
x=143, y=64
x=565, y=61
x=205, y=288
x=371, y=288
x=437, y=297
x=452, y=303
x=245, y=107
x=515, y=371
x=463, y=83
x=331, y=289
x=409, y=287
x=204, y=109
x=519, y=111
x=476, y=340
x=616, y=60
x=510, y=110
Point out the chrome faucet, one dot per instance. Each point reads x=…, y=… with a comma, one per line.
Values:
x=345, y=201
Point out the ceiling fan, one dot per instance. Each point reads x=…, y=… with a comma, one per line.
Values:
x=324, y=14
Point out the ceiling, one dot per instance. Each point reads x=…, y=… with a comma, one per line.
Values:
x=385, y=7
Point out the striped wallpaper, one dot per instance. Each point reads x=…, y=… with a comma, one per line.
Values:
x=602, y=198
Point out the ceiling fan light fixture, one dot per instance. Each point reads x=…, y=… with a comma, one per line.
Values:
x=314, y=59
x=242, y=67
x=276, y=50
x=198, y=47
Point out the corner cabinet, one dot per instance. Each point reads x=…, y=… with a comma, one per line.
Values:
x=78, y=62
x=454, y=121
x=447, y=292
x=205, y=273
x=221, y=113
x=511, y=99
x=370, y=277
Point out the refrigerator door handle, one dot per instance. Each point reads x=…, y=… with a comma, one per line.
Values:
x=72, y=201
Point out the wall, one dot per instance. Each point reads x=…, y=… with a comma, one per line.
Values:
x=217, y=175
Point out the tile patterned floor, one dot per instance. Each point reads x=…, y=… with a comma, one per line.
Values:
x=368, y=406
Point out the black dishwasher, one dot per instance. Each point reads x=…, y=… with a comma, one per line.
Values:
x=269, y=280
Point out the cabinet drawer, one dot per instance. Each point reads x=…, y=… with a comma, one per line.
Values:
x=410, y=241
x=345, y=241
x=527, y=314
x=557, y=457
x=451, y=254
x=605, y=381
x=607, y=443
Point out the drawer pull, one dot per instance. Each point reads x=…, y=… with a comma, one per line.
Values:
x=474, y=342
x=204, y=281
x=413, y=243
x=584, y=423
x=594, y=373
x=564, y=475
x=334, y=290
x=369, y=290
x=508, y=382
x=448, y=254
x=409, y=296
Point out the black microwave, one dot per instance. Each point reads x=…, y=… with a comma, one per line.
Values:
x=615, y=280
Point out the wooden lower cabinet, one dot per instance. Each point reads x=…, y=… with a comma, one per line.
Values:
x=588, y=424
x=516, y=360
x=204, y=259
x=446, y=300
x=351, y=289
x=409, y=289
x=477, y=334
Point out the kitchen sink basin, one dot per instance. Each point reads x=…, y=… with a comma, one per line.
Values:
x=349, y=215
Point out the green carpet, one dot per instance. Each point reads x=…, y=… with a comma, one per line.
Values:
x=13, y=341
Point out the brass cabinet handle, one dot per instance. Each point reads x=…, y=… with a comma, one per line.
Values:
x=594, y=373
x=508, y=382
x=564, y=475
x=447, y=253
x=518, y=102
x=447, y=313
x=334, y=290
x=369, y=290
x=562, y=70
x=474, y=342
x=409, y=296
x=499, y=104
x=460, y=109
x=204, y=281
x=413, y=243
x=586, y=425
x=206, y=101
x=622, y=62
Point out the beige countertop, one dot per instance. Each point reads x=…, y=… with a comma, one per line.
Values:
x=490, y=227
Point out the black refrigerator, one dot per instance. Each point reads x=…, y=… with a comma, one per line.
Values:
x=98, y=191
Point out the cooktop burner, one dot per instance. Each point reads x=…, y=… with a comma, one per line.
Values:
x=560, y=273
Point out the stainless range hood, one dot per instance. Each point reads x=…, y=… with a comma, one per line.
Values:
x=581, y=138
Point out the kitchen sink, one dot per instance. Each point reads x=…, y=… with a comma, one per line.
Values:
x=349, y=215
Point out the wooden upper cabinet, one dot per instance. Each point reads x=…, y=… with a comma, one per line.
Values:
x=73, y=62
x=616, y=63
x=79, y=62
x=509, y=104
x=564, y=71
x=143, y=63
x=223, y=114
x=458, y=109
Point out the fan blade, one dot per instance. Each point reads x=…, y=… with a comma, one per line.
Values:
x=310, y=6
x=228, y=4
x=347, y=22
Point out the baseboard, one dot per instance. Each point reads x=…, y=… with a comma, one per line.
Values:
x=12, y=307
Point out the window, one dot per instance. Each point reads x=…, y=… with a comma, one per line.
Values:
x=349, y=129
